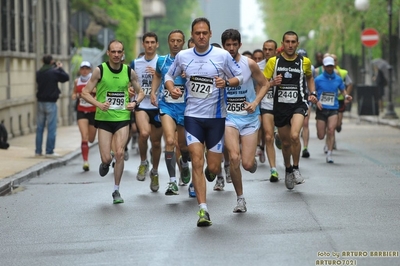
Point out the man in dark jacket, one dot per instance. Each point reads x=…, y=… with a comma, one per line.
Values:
x=48, y=92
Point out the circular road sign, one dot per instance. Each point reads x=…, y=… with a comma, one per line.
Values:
x=370, y=37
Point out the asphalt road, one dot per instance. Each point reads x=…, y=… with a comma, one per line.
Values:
x=342, y=214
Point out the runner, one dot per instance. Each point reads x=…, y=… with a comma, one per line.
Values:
x=171, y=112
x=112, y=81
x=242, y=121
x=290, y=104
x=147, y=116
x=85, y=112
x=208, y=71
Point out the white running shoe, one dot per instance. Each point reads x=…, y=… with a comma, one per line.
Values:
x=240, y=206
x=298, y=179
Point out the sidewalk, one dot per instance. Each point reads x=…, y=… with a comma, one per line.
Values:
x=18, y=162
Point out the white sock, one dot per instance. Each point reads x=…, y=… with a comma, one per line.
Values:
x=203, y=206
x=116, y=187
x=240, y=197
x=143, y=162
x=329, y=153
x=172, y=179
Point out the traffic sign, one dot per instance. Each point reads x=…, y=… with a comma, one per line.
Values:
x=370, y=37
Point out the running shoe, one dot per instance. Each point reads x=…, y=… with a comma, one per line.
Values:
x=191, y=191
x=261, y=154
x=185, y=173
x=103, y=169
x=278, y=142
x=339, y=128
x=151, y=156
x=219, y=184
x=117, y=197
x=305, y=154
x=298, y=179
x=112, y=159
x=329, y=159
x=154, y=186
x=85, y=166
x=240, y=206
x=289, y=180
x=254, y=168
x=274, y=176
x=172, y=189
x=181, y=182
x=142, y=172
x=210, y=176
x=204, y=218
x=228, y=174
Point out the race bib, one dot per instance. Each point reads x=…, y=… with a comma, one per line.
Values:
x=236, y=105
x=168, y=98
x=269, y=97
x=327, y=98
x=200, y=87
x=287, y=94
x=116, y=100
x=84, y=103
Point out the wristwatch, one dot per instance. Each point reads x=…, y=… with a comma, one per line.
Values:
x=227, y=84
x=137, y=103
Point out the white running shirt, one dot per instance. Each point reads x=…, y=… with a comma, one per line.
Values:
x=204, y=99
x=145, y=79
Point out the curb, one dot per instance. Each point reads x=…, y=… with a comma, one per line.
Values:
x=13, y=181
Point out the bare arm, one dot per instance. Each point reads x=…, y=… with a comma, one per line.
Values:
x=311, y=88
x=90, y=88
x=154, y=87
x=261, y=82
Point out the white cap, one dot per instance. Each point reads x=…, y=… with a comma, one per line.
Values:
x=86, y=64
x=328, y=61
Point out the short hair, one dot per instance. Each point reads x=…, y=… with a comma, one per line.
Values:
x=247, y=53
x=271, y=41
x=47, y=59
x=232, y=34
x=149, y=34
x=113, y=41
x=290, y=32
x=176, y=31
x=189, y=41
x=258, y=51
x=201, y=19
x=216, y=45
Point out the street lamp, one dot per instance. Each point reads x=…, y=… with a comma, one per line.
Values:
x=390, y=113
x=362, y=5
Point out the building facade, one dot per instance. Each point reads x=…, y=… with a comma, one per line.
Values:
x=30, y=29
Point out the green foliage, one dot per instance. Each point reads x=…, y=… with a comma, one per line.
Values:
x=179, y=16
x=337, y=24
x=126, y=13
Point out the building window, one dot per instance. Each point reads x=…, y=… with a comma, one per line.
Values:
x=31, y=27
x=22, y=26
x=4, y=29
x=13, y=12
x=45, y=30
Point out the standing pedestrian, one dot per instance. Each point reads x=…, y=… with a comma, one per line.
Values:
x=48, y=92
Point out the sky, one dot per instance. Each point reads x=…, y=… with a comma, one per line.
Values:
x=251, y=20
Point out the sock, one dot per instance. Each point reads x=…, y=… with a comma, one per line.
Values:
x=304, y=148
x=289, y=169
x=226, y=164
x=143, y=162
x=85, y=150
x=296, y=167
x=203, y=206
x=240, y=197
x=154, y=171
x=273, y=169
x=185, y=157
x=329, y=153
x=172, y=179
x=116, y=187
x=170, y=161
